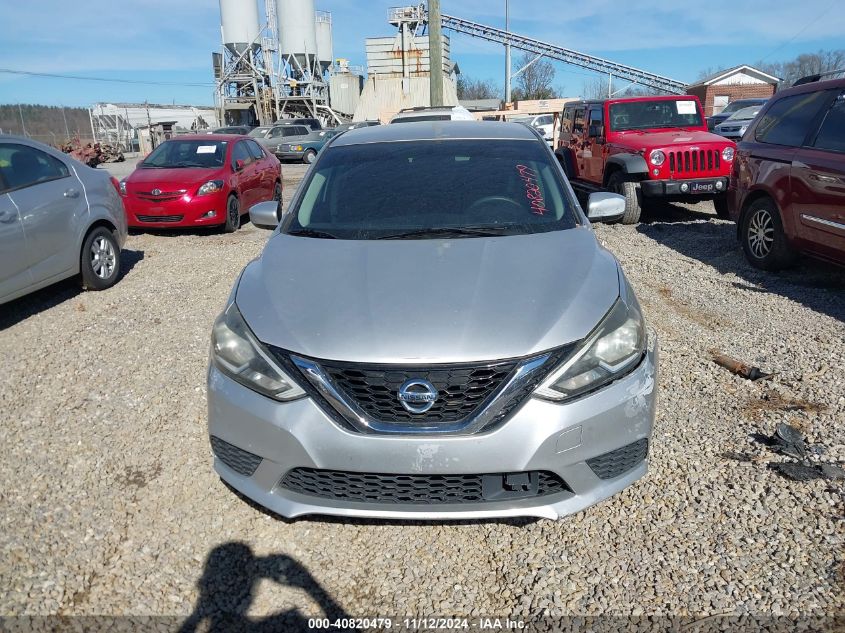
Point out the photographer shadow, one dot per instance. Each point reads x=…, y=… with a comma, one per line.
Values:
x=227, y=589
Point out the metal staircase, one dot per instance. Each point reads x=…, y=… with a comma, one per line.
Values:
x=597, y=64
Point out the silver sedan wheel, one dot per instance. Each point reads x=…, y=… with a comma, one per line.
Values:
x=761, y=233
x=103, y=258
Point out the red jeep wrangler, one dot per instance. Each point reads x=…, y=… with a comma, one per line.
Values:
x=645, y=148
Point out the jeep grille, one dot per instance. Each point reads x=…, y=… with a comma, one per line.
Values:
x=690, y=162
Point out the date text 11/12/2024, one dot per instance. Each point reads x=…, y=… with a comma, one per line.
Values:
x=417, y=624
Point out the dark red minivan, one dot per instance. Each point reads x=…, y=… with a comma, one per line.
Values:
x=787, y=191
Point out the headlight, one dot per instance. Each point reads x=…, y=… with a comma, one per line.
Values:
x=742, y=131
x=657, y=158
x=212, y=186
x=296, y=148
x=122, y=187
x=239, y=355
x=608, y=353
x=728, y=154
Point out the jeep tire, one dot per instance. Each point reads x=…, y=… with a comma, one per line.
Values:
x=720, y=204
x=619, y=183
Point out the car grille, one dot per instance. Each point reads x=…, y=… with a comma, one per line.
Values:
x=415, y=489
x=620, y=461
x=693, y=162
x=241, y=461
x=461, y=388
x=159, y=218
x=164, y=196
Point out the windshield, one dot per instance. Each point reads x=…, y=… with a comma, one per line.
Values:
x=745, y=113
x=259, y=132
x=641, y=115
x=187, y=153
x=420, y=189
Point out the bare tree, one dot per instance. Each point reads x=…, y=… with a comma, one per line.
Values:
x=535, y=82
x=469, y=88
x=804, y=65
x=598, y=89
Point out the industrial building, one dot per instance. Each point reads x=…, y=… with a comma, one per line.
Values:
x=282, y=64
x=120, y=124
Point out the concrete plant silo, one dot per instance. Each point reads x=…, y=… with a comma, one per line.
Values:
x=325, y=51
x=297, y=33
x=239, y=19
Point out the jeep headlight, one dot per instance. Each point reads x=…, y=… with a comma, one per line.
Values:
x=611, y=351
x=742, y=131
x=657, y=157
x=239, y=355
x=728, y=154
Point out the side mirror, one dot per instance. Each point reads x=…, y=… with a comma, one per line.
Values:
x=265, y=215
x=605, y=207
x=239, y=164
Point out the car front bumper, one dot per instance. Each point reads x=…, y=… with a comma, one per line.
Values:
x=290, y=155
x=185, y=211
x=674, y=189
x=541, y=436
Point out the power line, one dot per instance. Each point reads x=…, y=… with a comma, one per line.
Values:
x=806, y=26
x=105, y=79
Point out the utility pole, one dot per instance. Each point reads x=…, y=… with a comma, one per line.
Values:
x=435, y=52
x=23, y=125
x=507, y=53
x=67, y=132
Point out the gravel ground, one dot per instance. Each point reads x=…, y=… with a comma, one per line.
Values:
x=109, y=504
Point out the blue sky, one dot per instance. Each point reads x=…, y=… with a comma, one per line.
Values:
x=172, y=40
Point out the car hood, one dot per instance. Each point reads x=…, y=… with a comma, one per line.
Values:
x=737, y=121
x=171, y=179
x=679, y=138
x=432, y=300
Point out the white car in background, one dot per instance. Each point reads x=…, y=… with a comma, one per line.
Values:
x=541, y=122
x=428, y=113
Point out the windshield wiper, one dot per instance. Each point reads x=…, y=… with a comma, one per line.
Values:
x=187, y=164
x=312, y=233
x=473, y=231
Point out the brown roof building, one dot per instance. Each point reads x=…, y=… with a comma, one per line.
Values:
x=741, y=82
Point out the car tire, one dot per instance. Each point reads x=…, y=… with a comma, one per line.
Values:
x=763, y=238
x=309, y=156
x=99, y=263
x=618, y=183
x=233, y=215
x=720, y=204
x=277, y=196
x=565, y=160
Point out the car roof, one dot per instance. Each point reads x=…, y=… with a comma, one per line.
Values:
x=436, y=130
x=813, y=86
x=207, y=137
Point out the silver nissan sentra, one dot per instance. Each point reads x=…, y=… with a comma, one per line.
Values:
x=432, y=332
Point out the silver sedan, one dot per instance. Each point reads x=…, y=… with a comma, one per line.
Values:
x=58, y=218
x=433, y=331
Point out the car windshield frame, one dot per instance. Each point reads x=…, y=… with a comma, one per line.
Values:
x=637, y=122
x=358, y=161
x=202, y=158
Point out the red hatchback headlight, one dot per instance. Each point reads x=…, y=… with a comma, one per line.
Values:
x=212, y=186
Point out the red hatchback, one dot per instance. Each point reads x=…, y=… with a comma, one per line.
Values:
x=207, y=180
x=787, y=190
